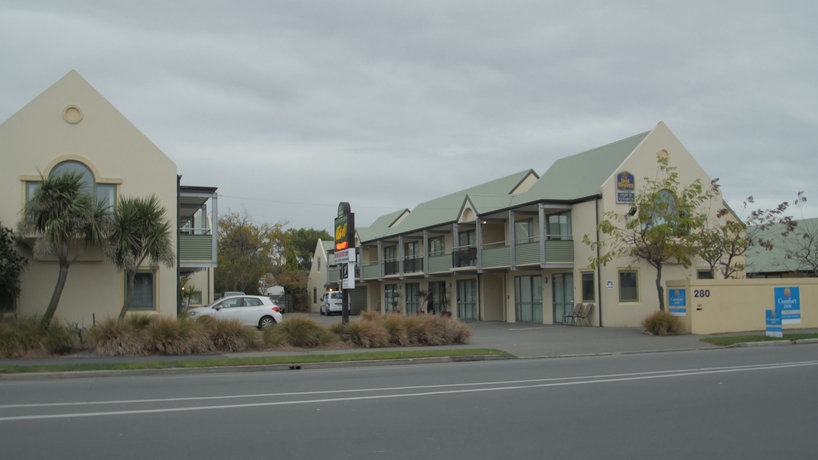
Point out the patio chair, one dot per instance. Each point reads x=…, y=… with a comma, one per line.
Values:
x=585, y=314
x=572, y=315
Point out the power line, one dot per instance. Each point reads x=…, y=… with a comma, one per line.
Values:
x=302, y=203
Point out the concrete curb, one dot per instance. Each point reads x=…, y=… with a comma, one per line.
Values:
x=246, y=368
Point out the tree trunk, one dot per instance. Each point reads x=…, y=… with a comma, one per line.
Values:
x=55, y=297
x=659, y=288
x=131, y=275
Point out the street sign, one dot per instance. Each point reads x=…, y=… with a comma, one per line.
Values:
x=677, y=301
x=345, y=256
x=348, y=275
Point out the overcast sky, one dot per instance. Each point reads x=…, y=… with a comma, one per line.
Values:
x=289, y=107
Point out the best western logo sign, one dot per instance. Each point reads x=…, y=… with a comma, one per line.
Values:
x=625, y=188
x=344, y=228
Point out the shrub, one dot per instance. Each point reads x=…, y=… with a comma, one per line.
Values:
x=19, y=336
x=370, y=316
x=231, y=334
x=455, y=332
x=396, y=328
x=112, y=337
x=661, y=323
x=363, y=333
x=139, y=321
x=424, y=330
x=58, y=339
x=173, y=336
x=298, y=332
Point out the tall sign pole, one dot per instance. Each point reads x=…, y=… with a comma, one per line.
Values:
x=345, y=254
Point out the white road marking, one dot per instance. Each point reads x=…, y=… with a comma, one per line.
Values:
x=507, y=386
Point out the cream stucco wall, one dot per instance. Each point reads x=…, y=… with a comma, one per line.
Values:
x=318, y=277
x=642, y=163
x=36, y=139
x=739, y=305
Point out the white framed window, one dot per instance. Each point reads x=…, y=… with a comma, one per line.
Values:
x=524, y=231
x=103, y=192
x=588, y=287
x=628, y=286
x=437, y=246
x=144, y=291
x=559, y=226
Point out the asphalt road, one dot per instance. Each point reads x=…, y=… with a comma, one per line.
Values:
x=721, y=404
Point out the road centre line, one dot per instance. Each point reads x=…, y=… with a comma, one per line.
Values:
x=596, y=380
x=415, y=387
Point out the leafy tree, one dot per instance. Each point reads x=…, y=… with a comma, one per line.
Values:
x=801, y=251
x=63, y=214
x=662, y=228
x=724, y=245
x=247, y=252
x=140, y=233
x=12, y=265
x=302, y=242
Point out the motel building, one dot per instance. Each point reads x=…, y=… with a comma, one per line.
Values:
x=72, y=127
x=511, y=249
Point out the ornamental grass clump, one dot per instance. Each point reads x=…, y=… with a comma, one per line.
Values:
x=455, y=332
x=297, y=332
x=30, y=335
x=171, y=336
x=112, y=337
x=231, y=334
x=58, y=339
x=17, y=337
x=661, y=323
x=396, y=328
x=364, y=333
x=425, y=329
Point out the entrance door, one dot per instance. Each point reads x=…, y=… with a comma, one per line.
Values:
x=563, y=295
x=467, y=299
x=528, y=298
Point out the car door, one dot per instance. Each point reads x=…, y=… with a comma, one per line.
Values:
x=230, y=308
x=251, y=311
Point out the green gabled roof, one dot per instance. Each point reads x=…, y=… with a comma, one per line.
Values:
x=380, y=227
x=581, y=175
x=445, y=209
x=328, y=245
x=486, y=203
x=568, y=179
x=387, y=220
x=760, y=260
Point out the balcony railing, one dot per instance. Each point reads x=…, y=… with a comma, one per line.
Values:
x=464, y=257
x=493, y=255
x=413, y=265
x=193, y=248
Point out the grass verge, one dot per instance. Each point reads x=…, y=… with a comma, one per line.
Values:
x=253, y=361
x=732, y=340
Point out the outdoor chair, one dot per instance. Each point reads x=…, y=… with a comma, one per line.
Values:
x=572, y=315
x=585, y=314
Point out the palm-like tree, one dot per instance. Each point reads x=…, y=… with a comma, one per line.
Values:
x=140, y=234
x=62, y=214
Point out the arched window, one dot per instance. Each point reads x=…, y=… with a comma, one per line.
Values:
x=104, y=192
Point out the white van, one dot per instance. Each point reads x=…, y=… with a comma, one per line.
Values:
x=331, y=303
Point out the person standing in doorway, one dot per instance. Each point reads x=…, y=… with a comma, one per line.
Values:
x=430, y=303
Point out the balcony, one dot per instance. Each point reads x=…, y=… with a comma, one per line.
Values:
x=197, y=219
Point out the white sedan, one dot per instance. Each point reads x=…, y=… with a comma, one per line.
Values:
x=252, y=310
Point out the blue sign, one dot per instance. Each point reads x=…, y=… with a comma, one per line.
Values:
x=677, y=301
x=788, y=305
x=774, y=328
x=625, y=188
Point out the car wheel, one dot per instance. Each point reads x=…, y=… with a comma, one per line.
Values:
x=266, y=322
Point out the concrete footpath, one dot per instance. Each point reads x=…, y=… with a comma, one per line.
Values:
x=523, y=340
